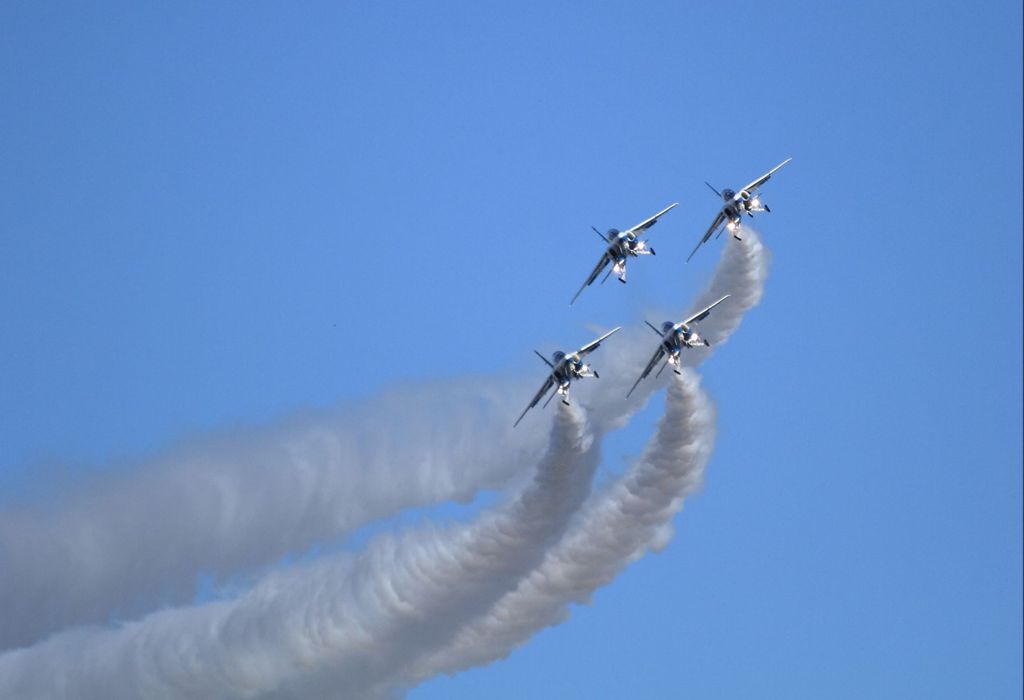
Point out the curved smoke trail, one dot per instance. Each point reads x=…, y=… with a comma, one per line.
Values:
x=741, y=272
x=615, y=528
x=619, y=525
x=230, y=504
x=231, y=643
x=139, y=538
x=341, y=621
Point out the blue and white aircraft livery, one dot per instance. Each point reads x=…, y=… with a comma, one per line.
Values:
x=564, y=369
x=622, y=245
x=675, y=337
x=736, y=205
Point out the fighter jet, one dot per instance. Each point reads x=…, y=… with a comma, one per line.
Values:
x=736, y=205
x=564, y=369
x=675, y=337
x=622, y=245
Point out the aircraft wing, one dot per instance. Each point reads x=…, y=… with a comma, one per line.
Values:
x=605, y=259
x=715, y=225
x=764, y=178
x=643, y=226
x=658, y=354
x=701, y=315
x=540, y=395
x=595, y=344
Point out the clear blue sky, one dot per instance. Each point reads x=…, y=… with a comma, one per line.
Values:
x=219, y=215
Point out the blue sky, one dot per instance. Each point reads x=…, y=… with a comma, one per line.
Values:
x=213, y=218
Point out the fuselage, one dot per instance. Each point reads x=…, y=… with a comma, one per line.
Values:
x=677, y=336
x=622, y=244
x=733, y=209
x=567, y=368
x=737, y=204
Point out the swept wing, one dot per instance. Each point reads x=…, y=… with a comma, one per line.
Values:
x=658, y=354
x=601, y=264
x=548, y=383
x=701, y=315
x=715, y=225
x=595, y=344
x=644, y=225
x=764, y=178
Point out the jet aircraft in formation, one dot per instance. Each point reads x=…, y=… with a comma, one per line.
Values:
x=736, y=205
x=565, y=368
x=674, y=336
x=622, y=245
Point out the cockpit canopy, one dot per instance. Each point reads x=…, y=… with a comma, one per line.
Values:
x=613, y=232
x=728, y=194
x=557, y=356
x=667, y=326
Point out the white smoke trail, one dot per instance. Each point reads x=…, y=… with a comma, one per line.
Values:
x=94, y=659
x=321, y=628
x=635, y=515
x=139, y=537
x=741, y=272
x=616, y=527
